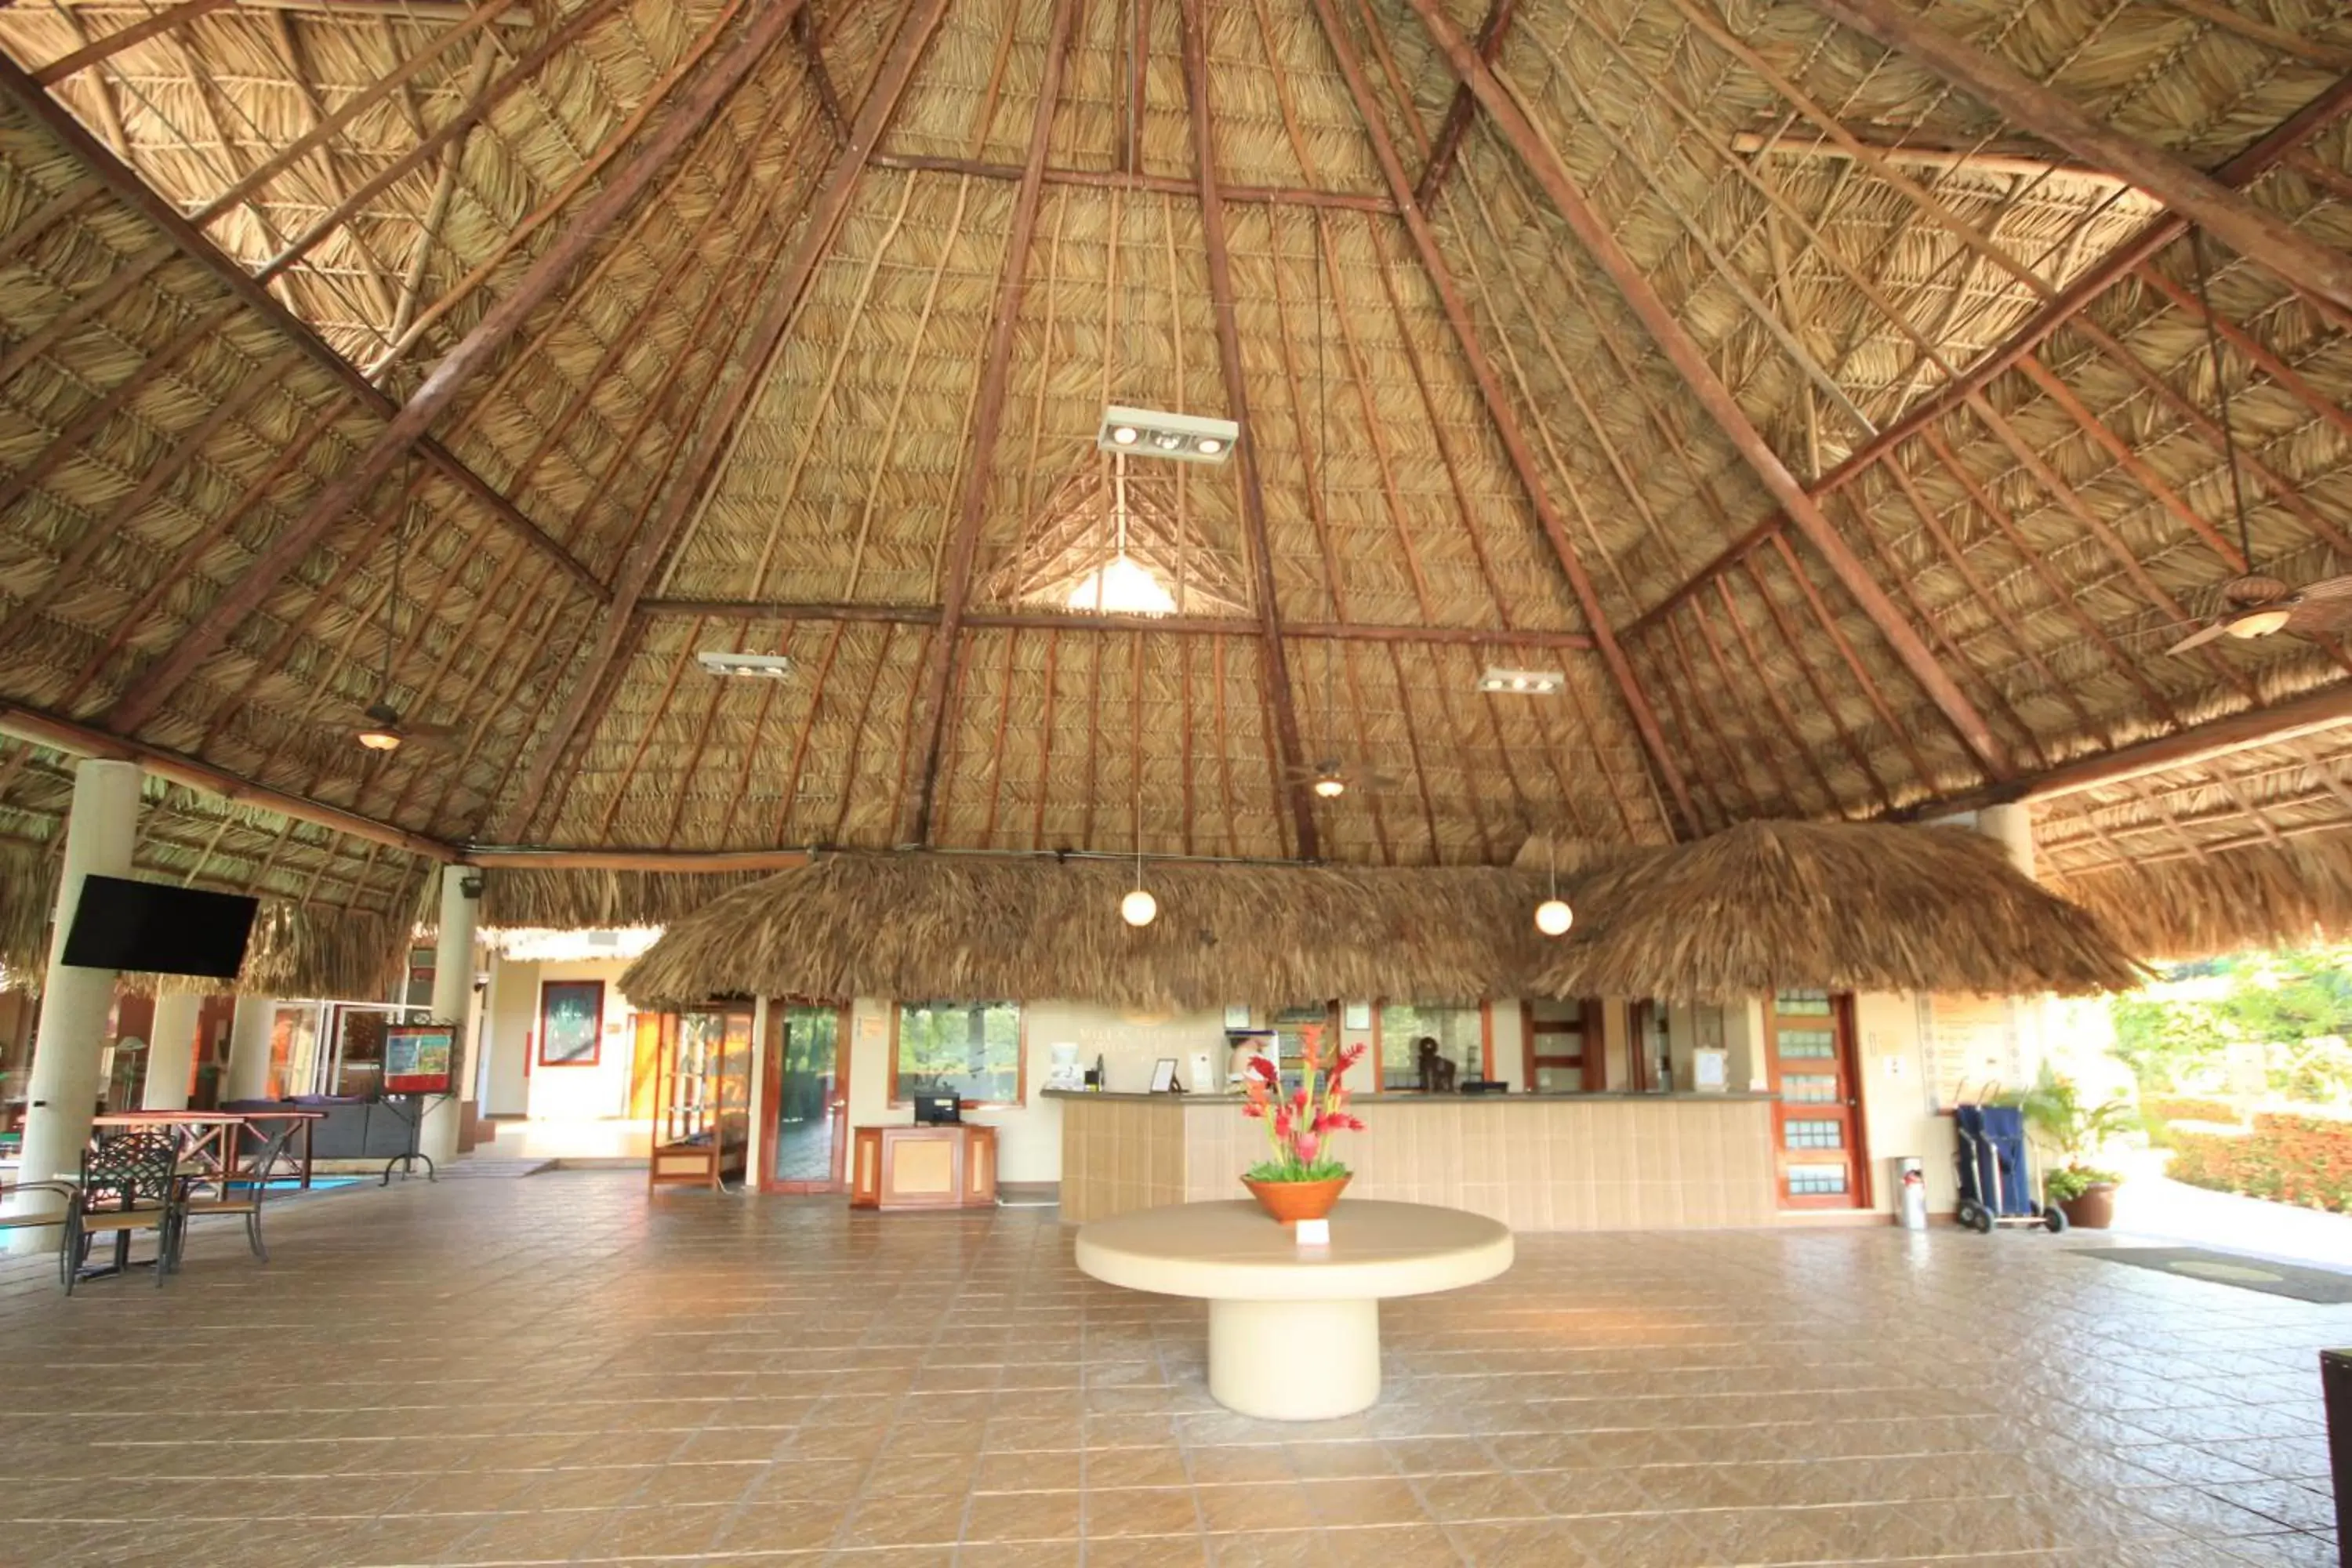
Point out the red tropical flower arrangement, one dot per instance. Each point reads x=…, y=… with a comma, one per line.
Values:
x=1300, y=1126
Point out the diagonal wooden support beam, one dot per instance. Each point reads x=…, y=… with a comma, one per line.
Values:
x=1498, y=406
x=125, y=184
x=1291, y=751
x=2319, y=272
x=715, y=431
x=2126, y=260
x=1684, y=354
x=1461, y=111
x=154, y=685
x=988, y=417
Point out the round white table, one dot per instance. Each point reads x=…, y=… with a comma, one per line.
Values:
x=1294, y=1332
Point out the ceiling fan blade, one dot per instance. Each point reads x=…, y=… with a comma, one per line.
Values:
x=2325, y=606
x=2207, y=633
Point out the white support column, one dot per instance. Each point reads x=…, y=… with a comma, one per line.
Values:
x=453, y=996
x=247, y=1076
x=75, y=1003
x=2012, y=826
x=171, y=1051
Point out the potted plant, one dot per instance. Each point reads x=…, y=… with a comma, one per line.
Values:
x=1301, y=1180
x=2074, y=1132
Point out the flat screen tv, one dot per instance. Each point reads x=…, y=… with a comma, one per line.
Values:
x=155, y=928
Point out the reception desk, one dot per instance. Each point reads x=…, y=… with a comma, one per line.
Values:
x=947, y=1167
x=1535, y=1162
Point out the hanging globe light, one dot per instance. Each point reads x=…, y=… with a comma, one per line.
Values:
x=1553, y=917
x=1138, y=907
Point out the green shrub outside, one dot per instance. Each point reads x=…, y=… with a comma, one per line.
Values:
x=2301, y=1160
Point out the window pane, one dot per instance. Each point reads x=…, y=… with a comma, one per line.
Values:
x=1810, y=1089
x=1559, y=1081
x=1456, y=1028
x=1819, y=1045
x=1802, y=1003
x=971, y=1049
x=1814, y=1135
x=1815, y=1180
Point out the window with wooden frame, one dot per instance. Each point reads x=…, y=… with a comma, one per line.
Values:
x=571, y=1022
x=1463, y=1032
x=970, y=1049
x=1563, y=1045
x=1290, y=1025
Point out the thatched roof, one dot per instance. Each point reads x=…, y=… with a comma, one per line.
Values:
x=1771, y=906
x=1760, y=907
x=1882, y=434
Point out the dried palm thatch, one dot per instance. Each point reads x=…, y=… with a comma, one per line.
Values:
x=586, y=899
x=1768, y=906
x=27, y=894
x=923, y=925
x=1762, y=907
x=2284, y=894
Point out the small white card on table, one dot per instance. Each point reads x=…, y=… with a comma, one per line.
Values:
x=1314, y=1232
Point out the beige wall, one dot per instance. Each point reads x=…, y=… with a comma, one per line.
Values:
x=1896, y=1099
x=578, y=1093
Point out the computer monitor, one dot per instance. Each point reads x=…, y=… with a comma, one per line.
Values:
x=931, y=1107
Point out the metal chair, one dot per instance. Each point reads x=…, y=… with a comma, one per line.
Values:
x=239, y=1195
x=56, y=1217
x=129, y=1183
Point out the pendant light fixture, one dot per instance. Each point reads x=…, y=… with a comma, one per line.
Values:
x=1553, y=917
x=1139, y=909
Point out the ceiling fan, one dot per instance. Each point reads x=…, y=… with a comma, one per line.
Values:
x=2255, y=604
x=1332, y=777
x=380, y=726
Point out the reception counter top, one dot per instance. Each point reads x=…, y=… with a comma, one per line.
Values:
x=1535, y=1162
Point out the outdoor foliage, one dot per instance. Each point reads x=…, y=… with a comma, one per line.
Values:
x=2305, y=1160
x=2298, y=1004
x=2173, y=1109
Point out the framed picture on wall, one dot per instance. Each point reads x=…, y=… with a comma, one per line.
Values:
x=571, y=1022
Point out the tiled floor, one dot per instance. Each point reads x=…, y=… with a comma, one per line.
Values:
x=549, y=1369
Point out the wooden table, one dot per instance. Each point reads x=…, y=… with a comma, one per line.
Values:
x=1294, y=1332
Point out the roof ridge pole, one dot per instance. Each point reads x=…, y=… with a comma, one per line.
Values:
x=2318, y=271
x=1459, y=113
x=1498, y=408
x=1684, y=353
x=1253, y=490
x=411, y=423
x=988, y=414
x=716, y=433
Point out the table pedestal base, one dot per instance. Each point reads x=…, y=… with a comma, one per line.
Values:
x=1294, y=1361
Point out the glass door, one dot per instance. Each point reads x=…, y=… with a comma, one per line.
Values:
x=1816, y=1121
x=806, y=1122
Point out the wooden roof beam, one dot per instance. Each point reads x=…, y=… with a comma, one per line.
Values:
x=2126, y=260
x=1501, y=412
x=1683, y=353
x=28, y=724
x=988, y=415
x=183, y=236
x=154, y=685
x=2320, y=272
x=1112, y=621
x=1291, y=753
x=1917, y=149
x=1112, y=179
x=716, y=429
x=2327, y=709
x=1462, y=110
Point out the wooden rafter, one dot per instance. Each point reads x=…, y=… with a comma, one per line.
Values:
x=988, y=417
x=1164, y=184
x=1462, y=110
x=2315, y=271
x=1291, y=757
x=1499, y=408
x=154, y=687
x=1684, y=354
x=716, y=431
x=101, y=50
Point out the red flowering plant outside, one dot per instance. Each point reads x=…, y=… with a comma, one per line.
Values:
x=1300, y=1126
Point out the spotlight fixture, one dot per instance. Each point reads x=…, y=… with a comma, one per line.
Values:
x=1522, y=682
x=745, y=666
x=1187, y=438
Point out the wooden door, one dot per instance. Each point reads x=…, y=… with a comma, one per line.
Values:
x=1563, y=1046
x=804, y=1115
x=644, y=1063
x=1817, y=1134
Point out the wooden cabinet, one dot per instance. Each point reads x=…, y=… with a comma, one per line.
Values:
x=943, y=1167
x=702, y=1097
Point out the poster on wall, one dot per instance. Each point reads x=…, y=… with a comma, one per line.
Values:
x=1971, y=1047
x=417, y=1057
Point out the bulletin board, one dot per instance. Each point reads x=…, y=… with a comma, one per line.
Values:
x=417, y=1057
x=1971, y=1047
